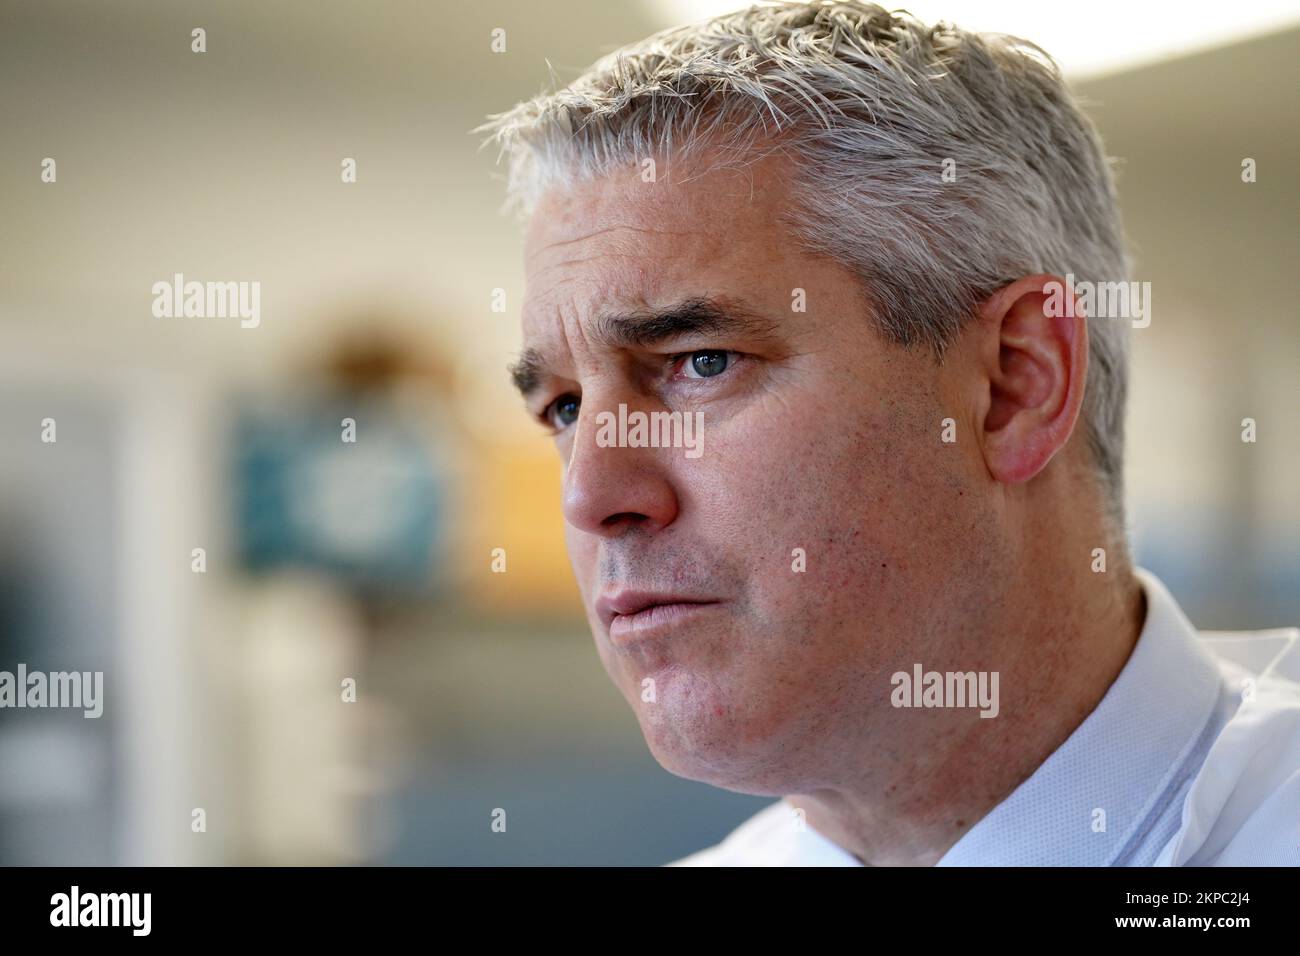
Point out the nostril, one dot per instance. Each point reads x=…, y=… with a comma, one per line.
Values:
x=629, y=517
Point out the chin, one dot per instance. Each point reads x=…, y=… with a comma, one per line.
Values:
x=723, y=767
x=696, y=732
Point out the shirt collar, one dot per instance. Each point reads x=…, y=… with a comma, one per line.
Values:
x=1122, y=759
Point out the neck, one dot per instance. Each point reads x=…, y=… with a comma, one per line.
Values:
x=1067, y=637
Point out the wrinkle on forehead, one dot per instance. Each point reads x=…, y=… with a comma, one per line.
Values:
x=558, y=243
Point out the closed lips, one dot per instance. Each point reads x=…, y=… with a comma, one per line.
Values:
x=640, y=604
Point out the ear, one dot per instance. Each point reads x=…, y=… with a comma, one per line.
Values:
x=1035, y=358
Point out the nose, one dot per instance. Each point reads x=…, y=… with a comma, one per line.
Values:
x=608, y=487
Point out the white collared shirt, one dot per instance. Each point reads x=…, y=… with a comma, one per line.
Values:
x=1192, y=758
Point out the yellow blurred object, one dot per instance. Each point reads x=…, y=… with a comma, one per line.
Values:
x=514, y=495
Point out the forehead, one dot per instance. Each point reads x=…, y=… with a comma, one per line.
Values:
x=618, y=241
x=751, y=192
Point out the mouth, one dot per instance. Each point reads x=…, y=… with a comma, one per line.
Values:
x=633, y=615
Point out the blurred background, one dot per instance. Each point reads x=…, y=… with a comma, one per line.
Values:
x=202, y=532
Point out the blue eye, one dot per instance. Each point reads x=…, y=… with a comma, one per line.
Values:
x=707, y=364
x=563, y=411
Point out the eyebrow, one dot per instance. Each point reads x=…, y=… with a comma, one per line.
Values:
x=701, y=315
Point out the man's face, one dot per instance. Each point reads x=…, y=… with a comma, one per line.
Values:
x=749, y=666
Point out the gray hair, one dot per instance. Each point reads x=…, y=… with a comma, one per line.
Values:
x=873, y=106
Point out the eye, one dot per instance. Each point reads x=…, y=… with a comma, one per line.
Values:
x=707, y=363
x=563, y=412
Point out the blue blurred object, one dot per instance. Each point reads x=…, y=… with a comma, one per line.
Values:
x=367, y=511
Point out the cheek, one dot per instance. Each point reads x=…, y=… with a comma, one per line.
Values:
x=840, y=517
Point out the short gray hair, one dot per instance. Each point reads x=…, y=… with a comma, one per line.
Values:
x=873, y=106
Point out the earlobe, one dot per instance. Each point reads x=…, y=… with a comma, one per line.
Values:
x=1036, y=367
